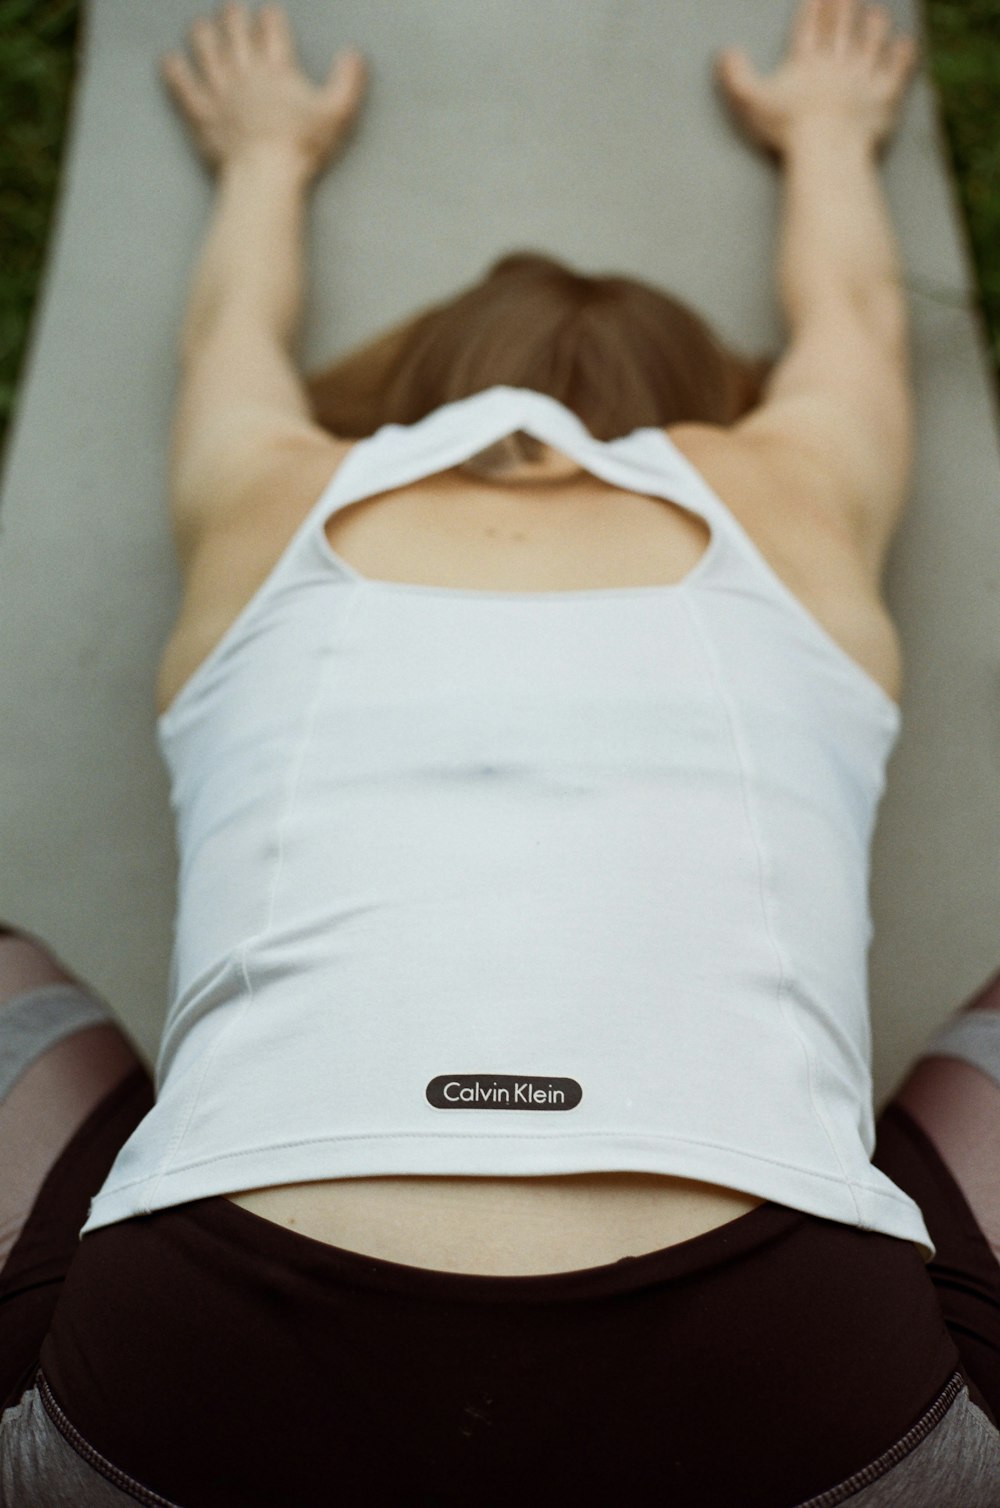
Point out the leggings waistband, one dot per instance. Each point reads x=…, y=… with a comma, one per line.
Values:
x=750, y=1232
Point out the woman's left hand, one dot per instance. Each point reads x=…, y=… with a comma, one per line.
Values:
x=249, y=91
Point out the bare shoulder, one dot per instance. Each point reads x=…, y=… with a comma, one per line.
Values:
x=232, y=555
x=811, y=543
x=782, y=500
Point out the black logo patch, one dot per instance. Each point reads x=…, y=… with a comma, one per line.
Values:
x=498, y=1091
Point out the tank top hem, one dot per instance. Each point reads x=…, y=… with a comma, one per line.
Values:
x=826, y=1195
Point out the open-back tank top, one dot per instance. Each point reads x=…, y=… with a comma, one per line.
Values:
x=511, y=883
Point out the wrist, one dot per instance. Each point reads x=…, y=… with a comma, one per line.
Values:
x=817, y=134
x=274, y=161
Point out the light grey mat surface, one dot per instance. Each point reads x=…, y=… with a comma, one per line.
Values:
x=590, y=131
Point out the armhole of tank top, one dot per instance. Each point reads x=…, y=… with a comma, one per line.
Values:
x=744, y=544
x=303, y=538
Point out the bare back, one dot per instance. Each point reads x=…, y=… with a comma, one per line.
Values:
x=550, y=527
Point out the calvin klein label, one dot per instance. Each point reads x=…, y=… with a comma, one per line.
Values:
x=493, y=1091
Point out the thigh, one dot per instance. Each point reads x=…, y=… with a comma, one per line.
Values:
x=72, y=1090
x=938, y=1139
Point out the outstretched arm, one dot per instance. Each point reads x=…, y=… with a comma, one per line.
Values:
x=267, y=132
x=838, y=405
x=828, y=114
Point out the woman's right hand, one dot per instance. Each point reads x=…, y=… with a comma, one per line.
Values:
x=842, y=65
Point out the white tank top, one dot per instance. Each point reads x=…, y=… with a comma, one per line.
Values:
x=511, y=883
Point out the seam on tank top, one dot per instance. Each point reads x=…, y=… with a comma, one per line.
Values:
x=92, y=1457
x=763, y=872
x=325, y=667
x=146, y=1208
x=890, y=1458
x=508, y=1139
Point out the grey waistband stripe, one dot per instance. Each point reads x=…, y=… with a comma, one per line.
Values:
x=951, y=1465
x=33, y=1022
x=973, y=1036
x=45, y=1460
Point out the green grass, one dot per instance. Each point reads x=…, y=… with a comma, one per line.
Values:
x=38, y=64
x=964, y=42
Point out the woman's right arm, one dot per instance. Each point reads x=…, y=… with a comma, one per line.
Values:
x=837, y=409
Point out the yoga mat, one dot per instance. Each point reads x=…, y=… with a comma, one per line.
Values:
x=590, y=131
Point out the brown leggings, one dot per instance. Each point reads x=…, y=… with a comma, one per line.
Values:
x=221, y=1359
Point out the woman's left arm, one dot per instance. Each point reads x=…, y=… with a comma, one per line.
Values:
x=268, y=133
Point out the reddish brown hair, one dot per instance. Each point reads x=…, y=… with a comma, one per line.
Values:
x=618, y=352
